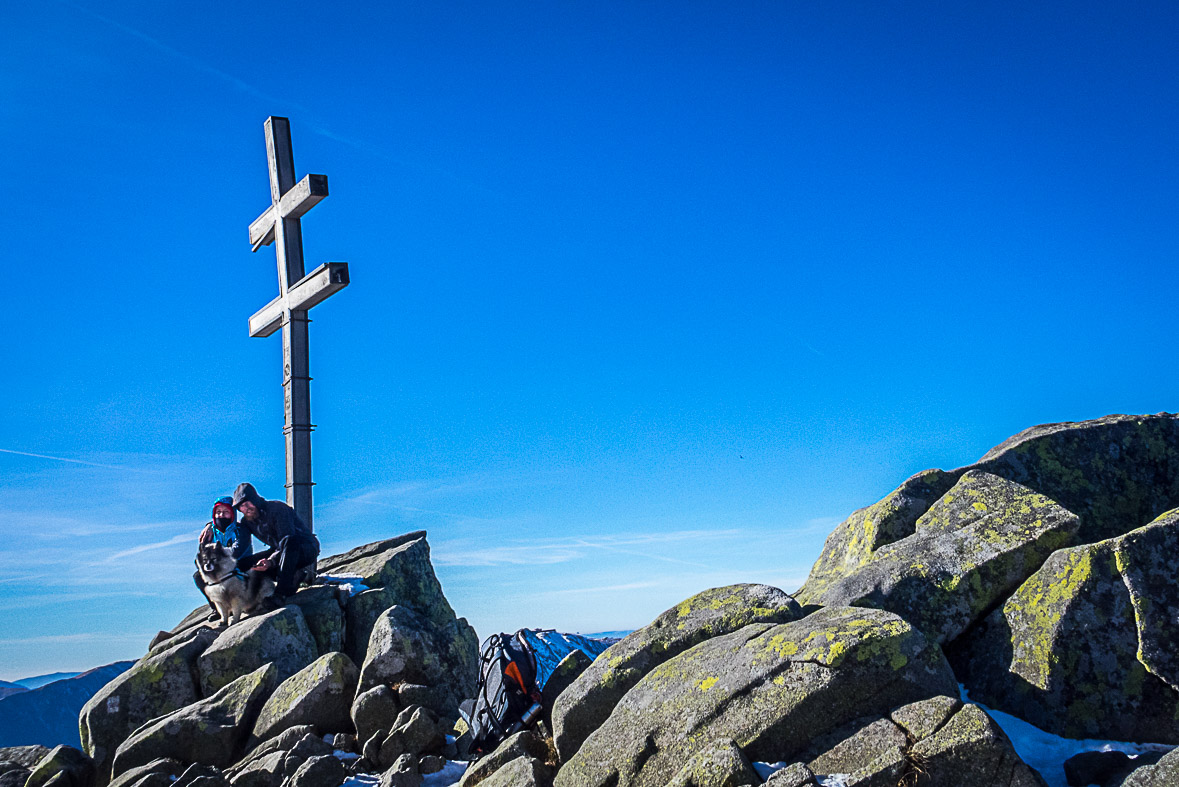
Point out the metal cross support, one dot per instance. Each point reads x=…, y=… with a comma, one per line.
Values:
x=297, y=293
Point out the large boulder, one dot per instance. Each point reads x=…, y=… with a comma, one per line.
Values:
x=407, y=647
x=211, y=732
x=768, y=688
x=396, y=571
x=318, y=695
x=159, y=683
x=1081, y=649
x=972, y=548
x=280, y=638
x=852, y=543
x=1115, y=473
x=588, y=701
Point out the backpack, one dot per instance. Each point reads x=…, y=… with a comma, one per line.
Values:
x=513, y=672
x=507, y=698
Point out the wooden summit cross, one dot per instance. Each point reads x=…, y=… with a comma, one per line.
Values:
x=297, y=293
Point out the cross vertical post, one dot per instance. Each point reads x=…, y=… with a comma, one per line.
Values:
x=280, y=225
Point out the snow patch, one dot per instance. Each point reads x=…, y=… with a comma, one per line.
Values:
x=349, y=582
x=767, y=769
x=1047, y=752
x=450, y=774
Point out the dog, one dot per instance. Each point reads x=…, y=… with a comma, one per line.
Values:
x=234, y=593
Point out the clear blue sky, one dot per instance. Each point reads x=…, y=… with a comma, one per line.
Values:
x=645, y=296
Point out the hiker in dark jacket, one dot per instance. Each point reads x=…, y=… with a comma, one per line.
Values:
x=292, y=544
x=225, y=530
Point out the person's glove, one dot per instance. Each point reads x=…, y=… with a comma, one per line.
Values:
x=206, y=535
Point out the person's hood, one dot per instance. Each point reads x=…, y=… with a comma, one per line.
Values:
x=224, y=501
x=246, y=492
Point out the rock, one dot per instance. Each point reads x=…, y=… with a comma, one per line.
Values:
x=417, y=694
x=212, y=731
x=793, y=775
x=165, y=767
x=567, y=671
x=404, y=773
x=921, y=719
x=397, y=571
x=587, y=703
x=64, y=766
x=971, y=751
x=1078, y=649
x=1097, y=767
x=322, y=771
x=262, y=771
x=1115, y=473
x=406, y=647
x=521, y=772
x=870, y=749
x=375, y=709
x=344, y=742
x=720, y=764
x=316, y=695
x=853, y=542
x=415, y=732
x=284, y=742
x=324, y=615
x=26, y=756
x=159, y=683
x=526, y=745
x=280, y=638
x=1164, y=773
x=971, y=549
x=431, y=763
x=769, y=688
x=198, y=775
x=14, y=777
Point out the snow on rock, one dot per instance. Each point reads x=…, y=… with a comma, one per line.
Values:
x=1046, y=752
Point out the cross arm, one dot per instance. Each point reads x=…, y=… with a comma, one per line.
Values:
x=315, y=287
x=301, y=197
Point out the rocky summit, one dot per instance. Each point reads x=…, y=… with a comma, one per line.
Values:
x=1039, y=578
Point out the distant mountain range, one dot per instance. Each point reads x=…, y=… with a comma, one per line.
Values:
x=46, y=712
x=43, y=680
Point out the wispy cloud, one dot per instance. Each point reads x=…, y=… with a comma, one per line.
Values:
x=184, y=538
x=63, y=459
x=74, y=639
x=603, y=589
x=200, y=65
x=570, y=549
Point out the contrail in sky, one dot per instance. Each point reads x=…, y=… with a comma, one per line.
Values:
x=61, y=459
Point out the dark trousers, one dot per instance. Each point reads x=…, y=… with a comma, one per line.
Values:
x=292, y=554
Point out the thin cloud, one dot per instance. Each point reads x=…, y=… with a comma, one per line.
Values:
x=181, y=56
x=63, y=459
x=603, y=589
x=185, y=538
x=69, y=639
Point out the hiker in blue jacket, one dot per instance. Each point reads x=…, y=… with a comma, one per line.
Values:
x=225, y=530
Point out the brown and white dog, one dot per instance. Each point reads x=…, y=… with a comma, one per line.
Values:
x=234, y=593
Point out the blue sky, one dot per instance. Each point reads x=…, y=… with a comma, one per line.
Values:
x=645, y=297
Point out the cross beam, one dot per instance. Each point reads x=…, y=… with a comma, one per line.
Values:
x=280, y=225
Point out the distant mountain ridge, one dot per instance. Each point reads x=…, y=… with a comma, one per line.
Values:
x=7, y=689
x=38, y=681
x=48, y=713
